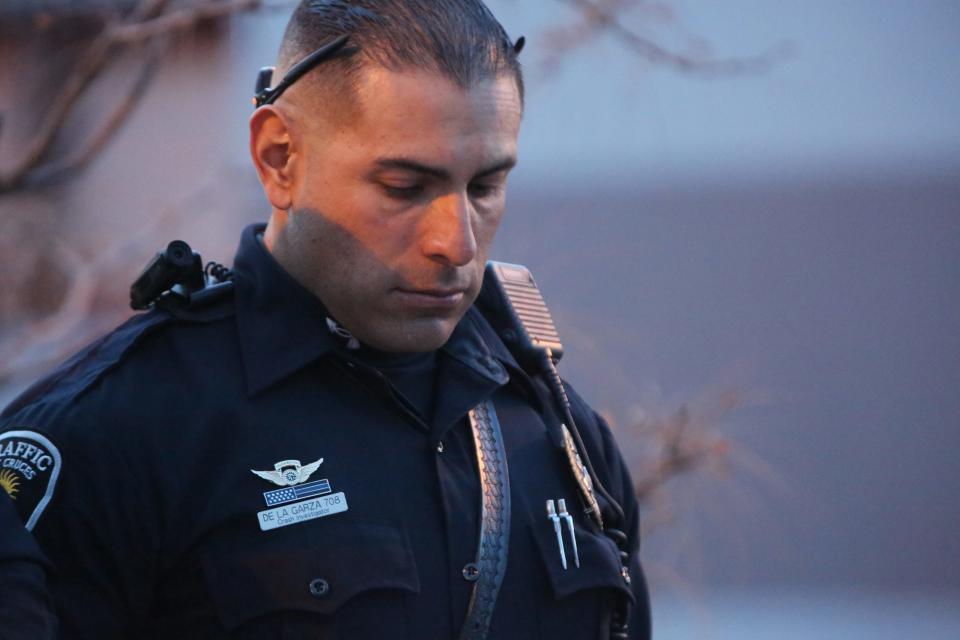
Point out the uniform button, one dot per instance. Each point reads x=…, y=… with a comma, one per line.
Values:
x=319, y=588
x=471, y=573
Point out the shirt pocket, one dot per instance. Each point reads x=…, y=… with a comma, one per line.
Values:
x=336, y=581
x=582, y=599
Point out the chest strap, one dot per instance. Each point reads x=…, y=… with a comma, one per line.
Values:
x=491, y=562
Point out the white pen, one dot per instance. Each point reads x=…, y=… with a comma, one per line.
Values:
x=562, y=505
x=552, y=514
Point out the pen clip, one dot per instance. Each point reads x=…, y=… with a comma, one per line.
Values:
x=552, y=515
x=562, y=505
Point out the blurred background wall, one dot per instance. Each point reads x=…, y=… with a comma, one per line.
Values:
x=790, y=235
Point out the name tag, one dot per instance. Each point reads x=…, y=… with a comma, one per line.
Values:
x=302, y=511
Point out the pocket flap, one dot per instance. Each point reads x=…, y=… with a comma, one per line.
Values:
x=307, y=570
x=599, y=561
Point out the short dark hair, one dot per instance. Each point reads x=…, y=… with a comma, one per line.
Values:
x=459, y=39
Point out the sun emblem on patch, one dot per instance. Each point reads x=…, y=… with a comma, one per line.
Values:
x=10, y=482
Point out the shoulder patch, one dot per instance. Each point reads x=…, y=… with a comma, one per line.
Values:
x=29, y=468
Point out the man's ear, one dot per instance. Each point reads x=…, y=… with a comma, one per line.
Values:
x=272, y=152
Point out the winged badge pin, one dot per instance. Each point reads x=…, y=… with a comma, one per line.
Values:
x=287, y=473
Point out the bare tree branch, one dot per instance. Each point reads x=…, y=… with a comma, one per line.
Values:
x=146, y=22
x=180, y=20
x=87, y=68
x=602, y=16
x=686, y=442
x=98, y=139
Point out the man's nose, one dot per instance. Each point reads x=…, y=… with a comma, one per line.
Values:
x=448, y=235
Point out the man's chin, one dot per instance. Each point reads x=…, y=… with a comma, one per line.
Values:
x=415, y=335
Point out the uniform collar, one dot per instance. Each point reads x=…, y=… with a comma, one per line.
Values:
x=283, y=327
x=475, y=364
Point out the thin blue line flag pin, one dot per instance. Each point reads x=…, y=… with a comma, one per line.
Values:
x=291, y=475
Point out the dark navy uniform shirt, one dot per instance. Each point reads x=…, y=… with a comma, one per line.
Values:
x=159, y=526
x=26, y=612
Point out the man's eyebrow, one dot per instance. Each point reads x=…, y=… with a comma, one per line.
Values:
x=407, y=164
x=503, y=165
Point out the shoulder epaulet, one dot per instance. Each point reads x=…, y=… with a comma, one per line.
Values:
x=85, y=368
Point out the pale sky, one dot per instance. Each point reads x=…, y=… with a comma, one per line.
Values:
x=870, y=84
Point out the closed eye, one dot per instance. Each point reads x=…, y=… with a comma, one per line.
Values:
x=410, y=192
x=485, y=189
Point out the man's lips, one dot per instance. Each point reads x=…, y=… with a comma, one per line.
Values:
x=438, y=298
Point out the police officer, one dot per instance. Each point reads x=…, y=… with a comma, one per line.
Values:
x=339, y=444
x=26, y=612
